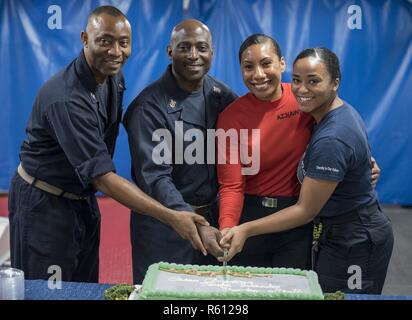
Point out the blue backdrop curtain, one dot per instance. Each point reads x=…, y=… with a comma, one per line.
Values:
x=375, y=60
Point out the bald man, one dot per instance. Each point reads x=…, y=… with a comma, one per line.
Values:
x=67, y=157
x=164, y=123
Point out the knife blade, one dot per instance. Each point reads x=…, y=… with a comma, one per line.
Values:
x=225, y=253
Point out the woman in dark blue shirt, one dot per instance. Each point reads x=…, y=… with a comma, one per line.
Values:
x=353, y=251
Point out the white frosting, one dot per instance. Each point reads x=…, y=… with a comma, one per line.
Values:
x=289, y=283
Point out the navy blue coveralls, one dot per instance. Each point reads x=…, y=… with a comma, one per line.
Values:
x=70, y=140
x=177, y=186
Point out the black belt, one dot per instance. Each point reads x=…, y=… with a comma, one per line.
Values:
x=350, y=216
x=270, y=202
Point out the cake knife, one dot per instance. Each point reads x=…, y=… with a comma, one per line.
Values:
x=225, y=252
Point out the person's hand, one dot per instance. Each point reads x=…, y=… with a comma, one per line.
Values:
x=185, y=224
x=376, y=172
x=224, y=231
x=234, y=239
x=210, y=237
x=227, y=244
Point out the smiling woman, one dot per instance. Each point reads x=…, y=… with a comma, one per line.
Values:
x=285, y=131
x=262, y=67
x=270, y=108
x=335, y=173
x=315, y=84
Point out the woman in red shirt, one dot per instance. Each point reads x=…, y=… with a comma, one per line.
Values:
x=355, y=245
x=284, y=133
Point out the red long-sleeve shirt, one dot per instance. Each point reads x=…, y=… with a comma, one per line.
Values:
x=284, y=134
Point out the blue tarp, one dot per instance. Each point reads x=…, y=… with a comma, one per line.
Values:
x=373, y=40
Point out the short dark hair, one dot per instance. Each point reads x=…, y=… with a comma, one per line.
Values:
x=259, y=38
x=327, y=56
x=110, y=10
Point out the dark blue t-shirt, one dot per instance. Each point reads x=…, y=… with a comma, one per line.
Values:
x=195, y=103
x=339, y=151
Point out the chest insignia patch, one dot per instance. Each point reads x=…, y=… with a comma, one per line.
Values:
x=172, y=103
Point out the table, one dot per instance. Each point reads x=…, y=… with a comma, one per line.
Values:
x=39, y=290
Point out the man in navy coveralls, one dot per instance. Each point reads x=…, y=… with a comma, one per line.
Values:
x=184, y=98
x=67, y=157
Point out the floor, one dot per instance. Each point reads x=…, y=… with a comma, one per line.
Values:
x=399, y=277
x=115, y=248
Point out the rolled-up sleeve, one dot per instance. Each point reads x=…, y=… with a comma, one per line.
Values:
x=75, y=127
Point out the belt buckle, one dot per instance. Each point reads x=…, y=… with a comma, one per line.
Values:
x=270, y=202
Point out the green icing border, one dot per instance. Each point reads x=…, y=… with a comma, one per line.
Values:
x=148, y=292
